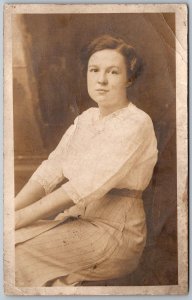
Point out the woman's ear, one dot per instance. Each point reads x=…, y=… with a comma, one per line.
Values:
x=129, y=83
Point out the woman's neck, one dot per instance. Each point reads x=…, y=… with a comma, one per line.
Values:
x=107, y=110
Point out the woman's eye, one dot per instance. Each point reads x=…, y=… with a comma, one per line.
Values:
x=93, y=70
x=114, y=72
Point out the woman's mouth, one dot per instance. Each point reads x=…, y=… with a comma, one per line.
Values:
x=103, y=91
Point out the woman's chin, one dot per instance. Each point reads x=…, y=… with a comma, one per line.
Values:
x=102, y=101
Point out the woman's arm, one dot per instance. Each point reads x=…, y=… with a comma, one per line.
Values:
x=30, y=193
x=53, y=203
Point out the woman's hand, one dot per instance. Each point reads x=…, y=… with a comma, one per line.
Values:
x=20, y=219
x=49, y=205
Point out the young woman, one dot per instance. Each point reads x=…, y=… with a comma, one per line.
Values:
x=107, y=156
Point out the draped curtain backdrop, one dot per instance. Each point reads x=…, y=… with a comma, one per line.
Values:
x=50, y=91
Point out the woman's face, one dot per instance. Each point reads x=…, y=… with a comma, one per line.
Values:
x=107, y=78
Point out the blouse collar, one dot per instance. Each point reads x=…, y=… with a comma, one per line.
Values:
x=118, y=113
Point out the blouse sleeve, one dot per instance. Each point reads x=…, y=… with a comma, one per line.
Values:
x=112, y=161
x=50, y=172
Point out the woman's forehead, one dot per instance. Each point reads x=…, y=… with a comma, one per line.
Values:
x=106, y=57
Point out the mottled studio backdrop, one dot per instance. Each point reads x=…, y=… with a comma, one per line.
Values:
x=50, y=91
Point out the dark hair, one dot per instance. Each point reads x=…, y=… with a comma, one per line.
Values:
x=132, y=60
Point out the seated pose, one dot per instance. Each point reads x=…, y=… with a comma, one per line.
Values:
x=107, y=159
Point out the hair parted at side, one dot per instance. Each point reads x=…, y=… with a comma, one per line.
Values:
x=132, y=60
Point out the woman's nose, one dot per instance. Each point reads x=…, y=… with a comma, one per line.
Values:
x=102, y=78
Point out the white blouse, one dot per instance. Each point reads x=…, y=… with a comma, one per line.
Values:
x=96, y=155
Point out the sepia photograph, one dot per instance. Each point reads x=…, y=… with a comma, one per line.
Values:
x=95, y=149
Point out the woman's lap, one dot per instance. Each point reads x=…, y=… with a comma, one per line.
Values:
x=65, y=249
x=86, y=248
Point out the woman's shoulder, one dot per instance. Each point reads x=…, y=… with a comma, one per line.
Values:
x=134, y=117
x=135, y=121
x=139, y=114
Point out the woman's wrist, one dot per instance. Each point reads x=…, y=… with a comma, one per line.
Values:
x=29, y=194
x=51, y=204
